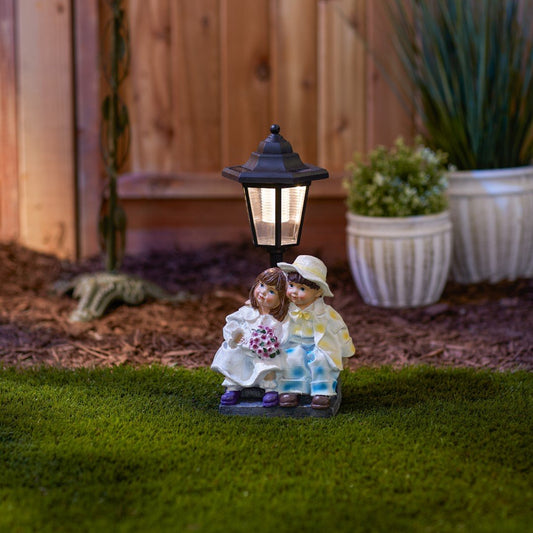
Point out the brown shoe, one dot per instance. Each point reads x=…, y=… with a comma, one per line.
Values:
x=320, y=402
x=288, y=399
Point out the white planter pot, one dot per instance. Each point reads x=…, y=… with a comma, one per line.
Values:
x=399, y=262
x=492, y=218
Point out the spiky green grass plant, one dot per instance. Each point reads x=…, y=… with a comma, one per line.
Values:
x=471, y=63
x=146, y=450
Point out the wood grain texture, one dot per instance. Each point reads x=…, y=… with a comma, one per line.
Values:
x=46, y=127
x=295, y=75
x=155, y=225
x=386, y=118
x=342, y=104
x=9, y=198
x=246, y=78
x=151, y=106
x=207, y=79
x=203, y=185
x=196, y=85
x=87, y=85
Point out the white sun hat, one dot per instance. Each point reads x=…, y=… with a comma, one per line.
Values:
x=311, y=268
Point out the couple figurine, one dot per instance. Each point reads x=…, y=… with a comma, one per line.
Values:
x=285, y=340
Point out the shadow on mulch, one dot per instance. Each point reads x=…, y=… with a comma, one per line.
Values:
x=483, y=325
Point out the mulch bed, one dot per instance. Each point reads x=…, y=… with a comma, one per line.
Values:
x=482, y=326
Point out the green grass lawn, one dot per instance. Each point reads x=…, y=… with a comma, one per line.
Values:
x=416, y=450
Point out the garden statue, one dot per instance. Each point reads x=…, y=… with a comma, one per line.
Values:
x=249, y=355
x=289, y=344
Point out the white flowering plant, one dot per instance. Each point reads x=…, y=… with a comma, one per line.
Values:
x=398, y=182
x=264, y=343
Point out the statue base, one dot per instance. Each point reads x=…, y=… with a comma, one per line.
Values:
x=251, y=405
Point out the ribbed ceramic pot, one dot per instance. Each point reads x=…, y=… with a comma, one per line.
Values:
x=492, y=218
x=399, y=262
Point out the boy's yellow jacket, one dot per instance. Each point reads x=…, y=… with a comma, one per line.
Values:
x=329, y=331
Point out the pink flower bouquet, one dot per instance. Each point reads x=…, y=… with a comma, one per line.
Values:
x=264, y=343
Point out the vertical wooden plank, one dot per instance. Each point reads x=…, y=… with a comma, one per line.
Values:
x=294, y=74
x=386, y=118
x=341, y=82
x=46, y=147
x=246, y=78
x=196, y=85
x=195, y=52
x=9, y=213
x=150, y=81
x=87, y=82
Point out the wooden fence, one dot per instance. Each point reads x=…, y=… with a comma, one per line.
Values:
x=207, y=79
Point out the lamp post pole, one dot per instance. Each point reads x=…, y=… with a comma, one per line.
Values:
x=276, y=256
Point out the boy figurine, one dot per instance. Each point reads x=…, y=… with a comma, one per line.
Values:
x=318, y=337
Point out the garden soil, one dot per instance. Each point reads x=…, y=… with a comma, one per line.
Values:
x=481, y=326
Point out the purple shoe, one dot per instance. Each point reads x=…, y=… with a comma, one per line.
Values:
x=230, y=397
x=270, y=399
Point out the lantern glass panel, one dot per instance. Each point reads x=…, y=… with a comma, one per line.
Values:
x=263, y=210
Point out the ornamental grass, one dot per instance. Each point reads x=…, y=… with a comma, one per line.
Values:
x=471, y=65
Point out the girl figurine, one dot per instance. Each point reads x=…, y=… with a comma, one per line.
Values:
x=252, y=339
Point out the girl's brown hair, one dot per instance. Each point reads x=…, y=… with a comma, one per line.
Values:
x=273, y=277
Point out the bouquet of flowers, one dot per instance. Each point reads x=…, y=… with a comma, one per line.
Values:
x=264, y=343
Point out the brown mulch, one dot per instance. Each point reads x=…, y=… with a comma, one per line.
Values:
x=481, y=326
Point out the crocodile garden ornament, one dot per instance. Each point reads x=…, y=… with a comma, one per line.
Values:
x=98, y=290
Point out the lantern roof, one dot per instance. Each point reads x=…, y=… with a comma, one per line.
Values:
x=274, y=163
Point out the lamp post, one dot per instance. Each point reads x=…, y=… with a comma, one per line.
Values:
x=276, y=184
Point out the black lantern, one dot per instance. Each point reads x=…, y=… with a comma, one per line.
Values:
x=276, y=184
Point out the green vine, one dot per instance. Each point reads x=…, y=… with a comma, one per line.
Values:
x=114, y=133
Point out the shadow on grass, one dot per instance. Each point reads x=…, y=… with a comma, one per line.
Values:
x=160, y=391
x=369, y=389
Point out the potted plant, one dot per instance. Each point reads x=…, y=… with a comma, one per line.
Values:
x=398, y=225
x=471, y=63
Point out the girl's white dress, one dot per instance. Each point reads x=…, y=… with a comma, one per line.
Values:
x=240, y=366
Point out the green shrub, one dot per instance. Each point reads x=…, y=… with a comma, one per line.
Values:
x=398, y=182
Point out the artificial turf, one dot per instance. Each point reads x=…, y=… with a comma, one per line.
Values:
x=125, y=449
